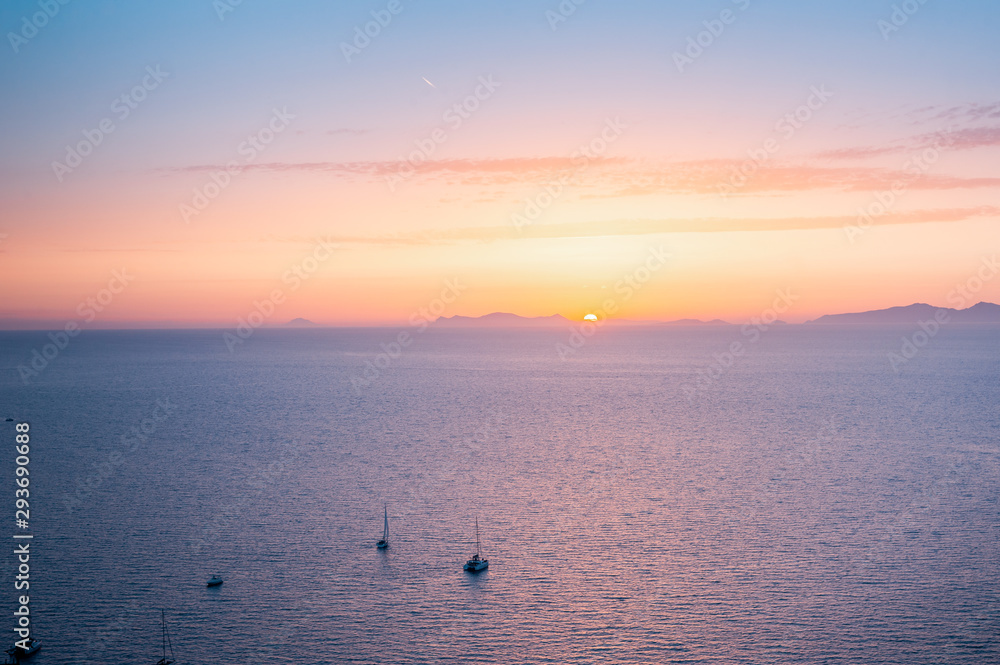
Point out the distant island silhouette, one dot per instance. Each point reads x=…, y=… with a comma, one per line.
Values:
x=300, y=323
x=983, y=312
x=980, y=313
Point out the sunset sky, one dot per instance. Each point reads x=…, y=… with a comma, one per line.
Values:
x=368, y=189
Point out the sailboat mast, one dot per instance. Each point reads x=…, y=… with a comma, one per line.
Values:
x=166, y=640
x=385, y=531
x=169, y=645
x=163, y=629
x=477, y=535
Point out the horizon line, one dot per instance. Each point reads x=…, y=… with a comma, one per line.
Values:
x=310, y=325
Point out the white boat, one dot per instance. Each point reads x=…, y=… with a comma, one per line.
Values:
x=215, y=581
x=166, y=643
x=384, y=543
x=476, y=563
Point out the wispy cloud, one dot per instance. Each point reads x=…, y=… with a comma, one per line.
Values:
x=970, y=112
x=861, y=152
x=603, y=177
x=779, y=178
x=967, y=138
x=515, y=165
x=618, y=176
x=974, y=137
x=634, y=227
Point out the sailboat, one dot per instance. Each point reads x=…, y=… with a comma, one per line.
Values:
x=384, y=543
x=166, y=643
x=475, y=564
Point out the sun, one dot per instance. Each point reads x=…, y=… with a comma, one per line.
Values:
x=590, y=317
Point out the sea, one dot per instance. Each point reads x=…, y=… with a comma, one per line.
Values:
x=827, y=494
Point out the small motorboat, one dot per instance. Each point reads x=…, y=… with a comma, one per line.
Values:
x=476, y=563
x=215, y=581
x=34, y=645
x=26, y=647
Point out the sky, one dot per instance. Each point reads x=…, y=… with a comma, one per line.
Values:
x=186, y=164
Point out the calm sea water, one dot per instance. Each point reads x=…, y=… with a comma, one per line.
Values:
x=807, y=505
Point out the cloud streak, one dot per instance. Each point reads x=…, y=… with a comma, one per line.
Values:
x=621, y=177
x=634, y=227
x=968, y=138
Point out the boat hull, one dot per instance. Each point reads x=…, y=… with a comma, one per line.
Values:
x=32, y=649
x=476, y=566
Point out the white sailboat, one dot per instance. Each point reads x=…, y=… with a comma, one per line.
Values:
x=476, y=563
x=384, y=543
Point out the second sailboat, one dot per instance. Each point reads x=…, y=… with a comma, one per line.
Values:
x=476, y=564
x=384, y=543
